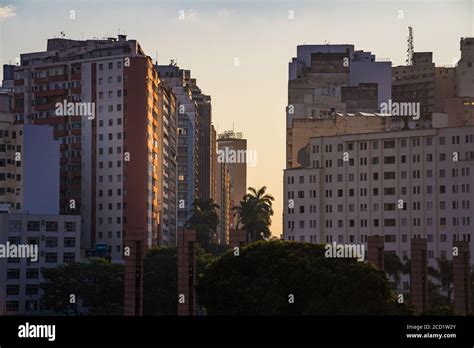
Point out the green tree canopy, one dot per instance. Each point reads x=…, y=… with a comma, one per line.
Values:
x=160, y=292
x=160, y=279
x=261, y=279
x=97, y=282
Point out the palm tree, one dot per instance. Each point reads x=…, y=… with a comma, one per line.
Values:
x=406, y=269
x=204, y=220
x=444, y=274
x=393, y=266
x=255, y=212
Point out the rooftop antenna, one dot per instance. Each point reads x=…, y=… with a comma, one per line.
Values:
x=410, y=48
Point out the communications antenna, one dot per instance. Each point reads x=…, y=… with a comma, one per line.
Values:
x=410, y=46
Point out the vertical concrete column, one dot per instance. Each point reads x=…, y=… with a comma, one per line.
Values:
x=419, y=274
x=133, y=280
x=461, y=278
x=375, y=250
x=237, y=238
x=186, y=272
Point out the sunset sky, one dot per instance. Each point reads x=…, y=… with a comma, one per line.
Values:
x=213, y=35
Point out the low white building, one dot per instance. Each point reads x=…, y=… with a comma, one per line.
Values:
x=397, y=184
x=58, y=241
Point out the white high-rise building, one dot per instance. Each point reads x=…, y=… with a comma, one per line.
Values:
x=58, y=241
x=400, y=185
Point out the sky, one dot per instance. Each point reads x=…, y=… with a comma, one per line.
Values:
x=239, y=50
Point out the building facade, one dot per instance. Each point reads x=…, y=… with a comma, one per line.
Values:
x=110, y=168
x=326, y=80
x=58, y=241
x=400, y=185
x=232, y=150
x=465, y=69
x=224, y=201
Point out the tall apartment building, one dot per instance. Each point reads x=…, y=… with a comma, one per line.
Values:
x=183, y=85
x=400, y=185
x=214, y=164
x=111, y=169
x=110, y=166
x=329, y=80
x=168, y=159
x=224, y=200
x=58, y=241
x=227, y=143
x=465, y=69
x=416, y=84
x=455, y=90
x=207, y=145
x=28, y=172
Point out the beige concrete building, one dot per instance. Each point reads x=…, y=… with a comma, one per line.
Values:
x=10, y=174
x=326, y=80
x=224, y=201
x=234, y=153
x=58, y=241
x=400, y=185
x=416, y=84
x=465, y=69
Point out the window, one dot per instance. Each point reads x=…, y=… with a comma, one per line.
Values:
x=51, y=226
x=69, y=257
x=70, y=226
x=33, y=226
x=14, y=226
x=13, y=273
x=51, y=257
x=51, y=242
x=31, y=289
x=69, y=242
x=32, y=273
x=13, y=289
x=12, y=306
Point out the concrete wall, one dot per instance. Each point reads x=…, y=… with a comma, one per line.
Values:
x=40, y=161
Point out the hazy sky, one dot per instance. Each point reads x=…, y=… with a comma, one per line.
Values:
x=260, y=34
